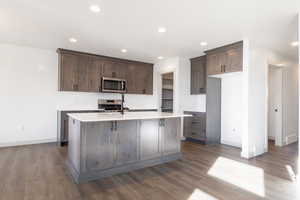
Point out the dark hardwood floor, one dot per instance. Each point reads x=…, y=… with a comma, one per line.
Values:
x=38, y=172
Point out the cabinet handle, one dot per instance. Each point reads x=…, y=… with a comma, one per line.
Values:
x=224, y=68
x=75, y=87
x=112, y=126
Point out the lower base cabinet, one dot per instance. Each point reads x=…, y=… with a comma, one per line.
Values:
x=98, y=146
x=195, y=127
x=171, y=136
x=126, y=142
x=99, y=149
x=150, y=139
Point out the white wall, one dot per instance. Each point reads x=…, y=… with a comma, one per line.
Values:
x=256, y=62
x=232, y=109
x=290, y=104
x=189, y=102
x=254, y=138
x=29, y=96
x=290, y=96
x=183, y=100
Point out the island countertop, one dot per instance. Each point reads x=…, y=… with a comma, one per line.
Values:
x=98, y=117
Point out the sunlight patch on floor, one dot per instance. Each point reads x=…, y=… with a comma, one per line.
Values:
x=245, y=176
x=200, y=195
x=291, y=173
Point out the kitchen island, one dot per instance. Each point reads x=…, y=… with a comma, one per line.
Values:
x=104, y=144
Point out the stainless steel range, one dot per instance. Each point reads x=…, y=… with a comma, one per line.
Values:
x=110, y=105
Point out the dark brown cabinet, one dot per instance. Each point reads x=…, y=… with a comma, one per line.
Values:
x=68, y=76
x=83, y=72
x=94, y=75
x=225, y=59
x=195, y=127
x=84, y=64
x=113, y=69
x=198, y=75
x=139, y=78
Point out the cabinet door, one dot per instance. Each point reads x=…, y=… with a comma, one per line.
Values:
x=94, y=75
x=235, y=59
x=68, y=72
x=198, y=75
x=84, y=62
x=150, y=139
x=139, y=78
x=100, y=151
x=187, y=126
x=213, y=64
x=114, y=69
x=171, y=136
x=126, y=141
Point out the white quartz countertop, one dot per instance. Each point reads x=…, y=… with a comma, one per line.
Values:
x=79, y=109
x=98, y=117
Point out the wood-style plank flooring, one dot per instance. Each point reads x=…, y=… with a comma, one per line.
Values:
x=38, y=172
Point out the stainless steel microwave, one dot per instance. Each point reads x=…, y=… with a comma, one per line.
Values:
x=113, y=85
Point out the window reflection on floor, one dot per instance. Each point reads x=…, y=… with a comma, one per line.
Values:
x=291, y=173
x=245, y=176
x=200, y=195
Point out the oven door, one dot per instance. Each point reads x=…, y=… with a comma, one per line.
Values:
x=113, y=85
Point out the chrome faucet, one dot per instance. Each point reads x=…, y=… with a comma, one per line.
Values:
x=122, y=104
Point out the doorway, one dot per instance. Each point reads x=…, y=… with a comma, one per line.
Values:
x=275, y=105
x=167, y=97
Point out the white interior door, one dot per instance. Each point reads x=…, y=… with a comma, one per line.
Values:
x=275, y=105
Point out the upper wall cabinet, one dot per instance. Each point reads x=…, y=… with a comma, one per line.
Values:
x=83, y=72
x=198, y=75
x=225, y=59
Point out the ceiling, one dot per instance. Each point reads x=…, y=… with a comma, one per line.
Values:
x=133, y=25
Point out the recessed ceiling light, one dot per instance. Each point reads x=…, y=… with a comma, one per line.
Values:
x=162, y=30
x=95, y=8
x=295, y=43
x=203, y=44
x=160, y=57
x=73, y=40
x=123, y=50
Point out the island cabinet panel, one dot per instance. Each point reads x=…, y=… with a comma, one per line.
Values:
x=98, y=146
x=104, y=148
x=150, y=139
x=170, y=129
x=126, y=141
x=82, y=72
x=73, y=148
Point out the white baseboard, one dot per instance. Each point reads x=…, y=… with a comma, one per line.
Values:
x=21, y=143
x=271, y=137
x=291, y=139
x=234, y=144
